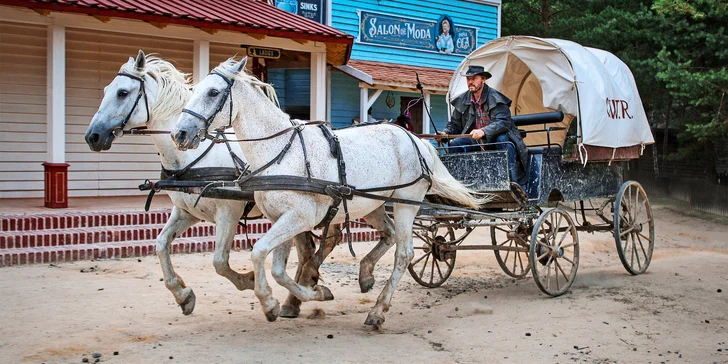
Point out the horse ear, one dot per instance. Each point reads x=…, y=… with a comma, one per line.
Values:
x=141, y=61
x=240, y=67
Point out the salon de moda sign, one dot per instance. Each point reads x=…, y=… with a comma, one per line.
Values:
x=441, y=36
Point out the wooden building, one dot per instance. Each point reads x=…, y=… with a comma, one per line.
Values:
x=56, y=56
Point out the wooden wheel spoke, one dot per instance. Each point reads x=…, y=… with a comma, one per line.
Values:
x=566, y=233
x=626, y=231
x=642, y=246
x=422, y=257
x=543, y=255
x=501, y=229
x=437, y=265
x=505, y=242
x=562, y=271
x=520, y=262
x=424, y=265
x=636, y=253
x=568, y=260
x=632, y=251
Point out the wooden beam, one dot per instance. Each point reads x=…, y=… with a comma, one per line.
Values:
x=158, y=24
x=256, y=36
x=43, y=12
x=301, y=41
x=103, y=19
x=210, y=31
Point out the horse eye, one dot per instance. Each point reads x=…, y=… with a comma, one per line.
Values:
x=122, y=93
x=213, y=93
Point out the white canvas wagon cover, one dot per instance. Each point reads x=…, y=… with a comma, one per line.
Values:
x=589, y=84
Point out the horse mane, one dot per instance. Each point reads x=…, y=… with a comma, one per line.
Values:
x=174, y=86
x=265, y=88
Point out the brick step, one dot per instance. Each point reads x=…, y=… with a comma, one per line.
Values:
x=102, y=234
x=139, y=248
x=84, y=219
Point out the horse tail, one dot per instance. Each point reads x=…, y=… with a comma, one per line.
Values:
x=445, y=185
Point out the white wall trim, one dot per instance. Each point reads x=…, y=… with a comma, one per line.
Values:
x=201, y=59
x=426, y=110
x=318, y=86
x=56, y=94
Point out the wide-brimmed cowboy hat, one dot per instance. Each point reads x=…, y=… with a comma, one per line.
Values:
x=476, y=70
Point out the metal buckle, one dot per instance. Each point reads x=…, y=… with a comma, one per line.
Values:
x=118, y=132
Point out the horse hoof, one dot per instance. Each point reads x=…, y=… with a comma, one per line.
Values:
x=366, y=284
x=289, y=311
x=374, y=320
x=188, y=305
x=323, y=293
x=272, y=315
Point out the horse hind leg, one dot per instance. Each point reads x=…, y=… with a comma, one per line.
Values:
x=404, y=217
x=384, y=224
x=307, y=273
x=301, y=292
x=178, y=222
x=225, y=230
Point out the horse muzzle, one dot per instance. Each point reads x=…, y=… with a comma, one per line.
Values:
x=185, y=139
x=98, y=141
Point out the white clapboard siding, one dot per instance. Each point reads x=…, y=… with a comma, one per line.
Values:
x=22, y=109
x=220, y=52
x=92, y=60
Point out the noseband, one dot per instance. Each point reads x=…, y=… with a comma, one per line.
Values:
x=119, y=130
x=228, y=93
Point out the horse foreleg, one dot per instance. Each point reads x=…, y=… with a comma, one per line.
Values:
x=179, y=221
x=305, y=248
x=227, y=226
x=286, y=227
x=380, y=221
x=404, y=217
x=307, y=273
x=302, y=292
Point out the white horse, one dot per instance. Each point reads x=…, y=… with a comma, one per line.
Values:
x=150, y=92
x=375, y=156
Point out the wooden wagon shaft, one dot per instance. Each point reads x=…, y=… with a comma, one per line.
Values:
x=441, y=136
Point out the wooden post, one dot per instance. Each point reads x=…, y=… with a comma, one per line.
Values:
x=56, y=168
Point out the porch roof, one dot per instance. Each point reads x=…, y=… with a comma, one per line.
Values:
x=247, y=16
x=397, y=76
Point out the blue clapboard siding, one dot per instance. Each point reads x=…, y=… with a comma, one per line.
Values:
x=344, y=99
x=439, y=111
x=277, y=78
x=298, y=87
x=467, y=13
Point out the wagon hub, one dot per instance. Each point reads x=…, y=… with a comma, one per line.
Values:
x=439, y=248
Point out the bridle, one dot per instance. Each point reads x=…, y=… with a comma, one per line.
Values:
x=227, y=94
x=118, y=131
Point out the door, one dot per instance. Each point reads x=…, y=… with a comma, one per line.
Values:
x=415, y=110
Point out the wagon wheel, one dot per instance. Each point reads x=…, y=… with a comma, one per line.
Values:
x=634, y=228
x=516, y=235
x=433, y=261
x=554, y=253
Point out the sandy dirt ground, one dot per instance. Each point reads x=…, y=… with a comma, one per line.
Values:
x=675, y=313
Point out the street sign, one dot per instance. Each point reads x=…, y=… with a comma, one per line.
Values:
x=259, y=52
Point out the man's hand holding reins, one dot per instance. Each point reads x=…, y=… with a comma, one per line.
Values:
x=477, y=134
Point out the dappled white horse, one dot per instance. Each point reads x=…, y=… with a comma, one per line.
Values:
x=150, y=92
x=375, y=156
